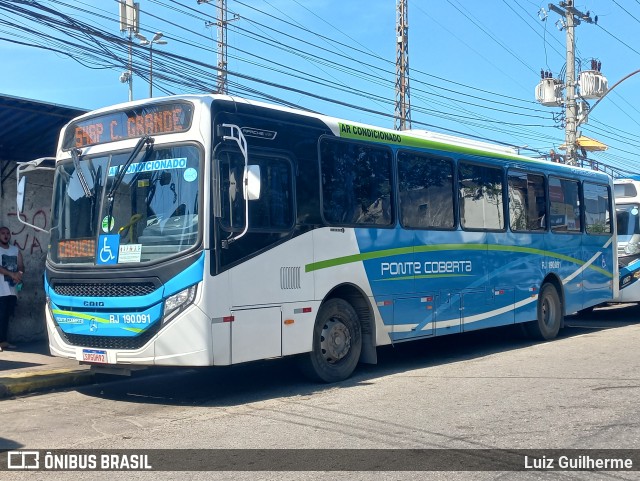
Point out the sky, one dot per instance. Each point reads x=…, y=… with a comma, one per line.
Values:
x=473, y=65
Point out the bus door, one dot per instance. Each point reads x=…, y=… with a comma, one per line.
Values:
x=599, y=230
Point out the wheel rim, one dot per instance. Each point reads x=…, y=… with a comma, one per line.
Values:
x=335, y=341
x=548, y=312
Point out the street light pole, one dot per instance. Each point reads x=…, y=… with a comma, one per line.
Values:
x=143, y=41
x=151, y=69
x=130, y=71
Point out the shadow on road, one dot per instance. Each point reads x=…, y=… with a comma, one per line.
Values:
x=263, y=380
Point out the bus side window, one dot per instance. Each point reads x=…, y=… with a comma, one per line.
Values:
x=426, y=191
x=481, y=197
x=273, y=211
x=527, y=202
x=356, y=183
x=565, y=205
x=597, y=208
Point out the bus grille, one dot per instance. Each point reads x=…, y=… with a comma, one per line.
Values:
x=104, y=289
x=110, y=342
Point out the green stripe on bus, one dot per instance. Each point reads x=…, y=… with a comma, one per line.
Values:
x=338, y=261
x=370, y=134
x=314, y=266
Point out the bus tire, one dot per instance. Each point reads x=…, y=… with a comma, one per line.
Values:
x=337, y=342
x=550, y=315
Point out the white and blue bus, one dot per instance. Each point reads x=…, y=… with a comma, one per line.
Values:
x=627, y=200
x=211, y=230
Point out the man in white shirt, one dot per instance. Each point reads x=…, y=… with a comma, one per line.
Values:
x=11, y=270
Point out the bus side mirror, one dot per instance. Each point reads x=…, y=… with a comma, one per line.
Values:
x=253, y=183
x=44, y=163
x=20, y=194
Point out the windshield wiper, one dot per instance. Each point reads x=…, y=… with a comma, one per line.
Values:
x=81, y=178
x=123, y=171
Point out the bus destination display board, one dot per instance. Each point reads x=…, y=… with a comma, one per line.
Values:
x=165, y=118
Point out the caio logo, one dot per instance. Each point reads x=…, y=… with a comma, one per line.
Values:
x=93, y=304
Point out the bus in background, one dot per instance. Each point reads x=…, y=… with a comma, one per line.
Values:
x=627, y=200
x=211, y=230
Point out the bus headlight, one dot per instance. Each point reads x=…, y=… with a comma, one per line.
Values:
x=178, y=302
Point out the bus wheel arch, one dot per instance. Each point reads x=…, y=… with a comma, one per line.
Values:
x=341, y=336
x=550, y=310
x=360, y=302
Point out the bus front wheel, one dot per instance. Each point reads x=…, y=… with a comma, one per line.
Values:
x=550, y=316
x=337, y=342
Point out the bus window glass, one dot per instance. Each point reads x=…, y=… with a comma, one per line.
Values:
x=624, y=190
x=356, y=183
x=597, y=209
x=565, y=205
x=527, y=202
x=628, y=219
x=426, y=191
x=153, y=214
x=273, y=211
x=481, y=198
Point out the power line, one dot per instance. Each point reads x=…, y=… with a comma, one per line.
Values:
x=105, y=51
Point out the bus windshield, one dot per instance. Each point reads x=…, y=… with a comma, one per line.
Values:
x=627, y=219
x=152, y=214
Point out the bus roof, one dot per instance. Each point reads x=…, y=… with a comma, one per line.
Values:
x=428, y=139
x=627, y=179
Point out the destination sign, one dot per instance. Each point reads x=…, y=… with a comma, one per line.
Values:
x=74, y=248
x=155, y=119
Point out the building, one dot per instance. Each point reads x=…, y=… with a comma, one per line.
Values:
x=29, y=129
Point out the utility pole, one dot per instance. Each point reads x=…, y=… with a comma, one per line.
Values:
x=222, y=22
x=129, y=22
x=402, y=118
x=222, y=47
x=572, y=18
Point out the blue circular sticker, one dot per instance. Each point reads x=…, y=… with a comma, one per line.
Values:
x=190, y=174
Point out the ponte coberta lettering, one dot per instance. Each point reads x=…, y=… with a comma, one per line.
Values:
x=426, y=267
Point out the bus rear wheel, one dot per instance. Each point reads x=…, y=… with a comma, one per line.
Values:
x=550, y=315
x=337, y=342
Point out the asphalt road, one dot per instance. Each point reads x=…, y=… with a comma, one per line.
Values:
x=484, y=390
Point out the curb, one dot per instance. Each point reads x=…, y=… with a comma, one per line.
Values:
x=18, y=384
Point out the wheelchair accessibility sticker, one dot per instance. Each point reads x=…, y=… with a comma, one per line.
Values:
x=108, y=249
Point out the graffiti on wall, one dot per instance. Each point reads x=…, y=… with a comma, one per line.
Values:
x=24, y=237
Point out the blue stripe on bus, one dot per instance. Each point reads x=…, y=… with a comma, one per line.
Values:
x=469, y=289
x=119, y=316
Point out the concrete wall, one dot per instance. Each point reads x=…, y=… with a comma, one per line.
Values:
x=28, y=323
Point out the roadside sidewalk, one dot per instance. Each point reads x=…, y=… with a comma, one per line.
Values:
x=30, y=368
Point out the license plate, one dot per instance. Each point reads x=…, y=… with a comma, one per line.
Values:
x=94, y=355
